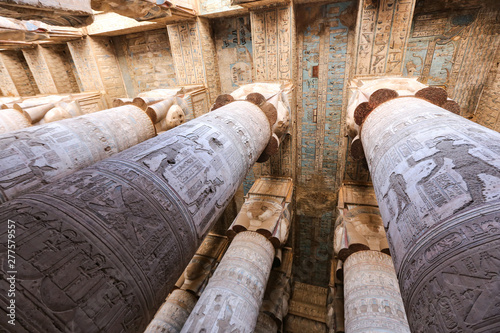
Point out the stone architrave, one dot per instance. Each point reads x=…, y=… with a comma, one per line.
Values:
x=437, y=180
x=100, y=249
x=233, y=296
x=75, y=13
x=38, y=155
x=372, y=300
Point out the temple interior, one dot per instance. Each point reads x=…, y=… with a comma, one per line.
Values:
x=250, y=166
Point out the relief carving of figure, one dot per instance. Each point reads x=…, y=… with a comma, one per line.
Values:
x=467, y=165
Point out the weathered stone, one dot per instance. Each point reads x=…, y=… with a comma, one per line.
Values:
x=125, y=228
x=437, y=179
x=11, y=120
x=266, y=210
x=158, y=111
x=381, y=96
x=434, y=95
x=172, y=315
x=371, y=294
x=233, y=296
x=38, y=155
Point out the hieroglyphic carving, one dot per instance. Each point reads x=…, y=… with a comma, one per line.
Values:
x=194, y=55
x=7, y=85
x=11, y=120
x=104, y=54
x=212, y=79
x=149, y=59
x=383, y=30
x=235, y=291
x=272, y=35
x=40, y=70
x=309, y=301
x=38, y=155
x=477, y=61
x=371, y=294
x=57, y=59
x=20, y=73
x=323, y=45
x=105, y=244
x=437, y=178
x=233, y=42
x=298, y=324
x=172, y=315
x=488, y=108
x=86, y=65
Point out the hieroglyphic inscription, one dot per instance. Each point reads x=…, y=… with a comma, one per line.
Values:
x=109, y=69
x=149, y=59
x=194, y=55
x=39, y=155
x=437, y=178
x=488, y=109
x=371, y=294
x=106, y=244
x=7, y=85
x=57, y=58
x=383, y=30
x=86, y=65
x=236, y=290
x=209, y=56
x=233, y=42
x=38, y=66
x=20, y=73
x=477, y=61
x=323, y=45
x=272, y=43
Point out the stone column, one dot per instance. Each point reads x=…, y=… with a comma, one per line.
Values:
x=372, y=301
x=437, y=179
x=275, y=303
x=11, y=120
x=99, y=250
x=235, y=293
x=371, y=294
x=38, y=155
x=232, y=298
x=172, y=315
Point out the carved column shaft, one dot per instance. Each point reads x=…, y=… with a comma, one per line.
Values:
x=437, y=180
x=99, y=250
x=39, y=155
x=172, y=315
x=232, y=298
x=11, y=120
x=372, y=300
